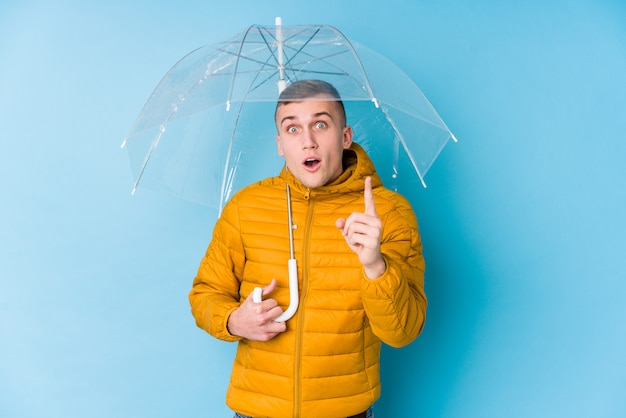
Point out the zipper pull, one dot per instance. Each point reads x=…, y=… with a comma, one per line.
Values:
x=307, y=194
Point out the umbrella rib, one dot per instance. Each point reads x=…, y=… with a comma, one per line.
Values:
x=290, y=65
x=239, y=56
x=400, y=137
x=297, y=52
x=358, y=60
x=255, y=71
x=308, y=41
x=155, y=142
x=242, y=57
x=264, y=33
x=324, y=60
x=251, y=88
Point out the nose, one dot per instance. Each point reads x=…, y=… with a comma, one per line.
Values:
x=308, y=139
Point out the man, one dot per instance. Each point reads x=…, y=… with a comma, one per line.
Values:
x=360, y=268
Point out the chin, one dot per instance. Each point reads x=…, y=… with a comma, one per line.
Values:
x=313, y=180
x=312, y=183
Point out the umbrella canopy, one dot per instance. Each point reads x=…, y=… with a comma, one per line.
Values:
x=208, y=128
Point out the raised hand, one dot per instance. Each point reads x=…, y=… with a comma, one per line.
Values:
x=255, y=321
x=362, y=232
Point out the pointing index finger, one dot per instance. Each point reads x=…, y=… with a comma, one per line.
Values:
x=368, y=197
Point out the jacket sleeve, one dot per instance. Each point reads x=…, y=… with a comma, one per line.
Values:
x=215, y=291
x=396, y=303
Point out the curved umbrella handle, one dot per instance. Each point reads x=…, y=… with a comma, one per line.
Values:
x=257, y=293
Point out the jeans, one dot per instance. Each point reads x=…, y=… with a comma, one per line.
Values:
x=368, y=414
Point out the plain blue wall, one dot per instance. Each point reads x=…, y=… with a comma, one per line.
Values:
x=523, y=220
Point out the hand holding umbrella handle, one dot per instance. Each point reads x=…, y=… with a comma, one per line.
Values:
x=257, y=293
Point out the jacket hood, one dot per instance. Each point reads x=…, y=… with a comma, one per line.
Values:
x=357, y=166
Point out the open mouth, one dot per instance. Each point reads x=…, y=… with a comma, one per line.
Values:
x=311, y=162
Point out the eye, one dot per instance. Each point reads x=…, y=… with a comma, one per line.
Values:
x=292, y=129
x=320, y=125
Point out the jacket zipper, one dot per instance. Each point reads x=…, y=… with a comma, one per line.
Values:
x=303, y=292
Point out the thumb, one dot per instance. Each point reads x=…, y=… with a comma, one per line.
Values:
x=270, y=287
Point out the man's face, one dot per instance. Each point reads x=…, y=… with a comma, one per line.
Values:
x=312, y=136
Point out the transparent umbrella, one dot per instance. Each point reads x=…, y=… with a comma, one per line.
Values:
x=208, y=128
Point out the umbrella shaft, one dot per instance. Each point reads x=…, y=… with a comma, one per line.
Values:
x=290, y=221
x=281, y=59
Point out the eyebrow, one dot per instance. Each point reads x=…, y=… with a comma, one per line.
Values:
x=315, y=115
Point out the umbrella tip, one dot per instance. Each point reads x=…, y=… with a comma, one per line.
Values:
x=278, y=21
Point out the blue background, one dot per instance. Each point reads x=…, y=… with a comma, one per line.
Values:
x=522, y=221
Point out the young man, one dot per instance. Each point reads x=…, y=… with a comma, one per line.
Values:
x=360, y=269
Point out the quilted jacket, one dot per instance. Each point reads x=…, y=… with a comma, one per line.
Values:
x=327, y=362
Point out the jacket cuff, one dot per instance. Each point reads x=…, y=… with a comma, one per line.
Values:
x=223, y=333
x=384, y=286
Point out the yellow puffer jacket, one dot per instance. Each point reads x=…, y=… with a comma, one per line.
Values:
x=327, y=362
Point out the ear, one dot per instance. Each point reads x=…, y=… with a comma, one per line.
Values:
x=279, y=146
x=347, y=137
